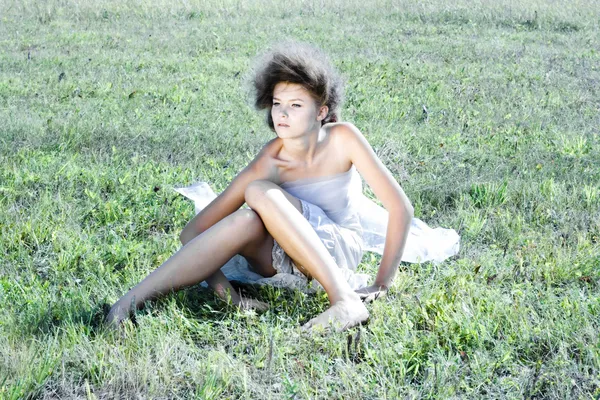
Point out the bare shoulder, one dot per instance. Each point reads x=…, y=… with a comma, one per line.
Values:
x=343, y=131
x=368, y=164
x=270, y=149
x=264, y=165
x=337, y=138
x=346, y=136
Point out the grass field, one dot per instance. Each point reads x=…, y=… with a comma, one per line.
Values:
x=105, y=106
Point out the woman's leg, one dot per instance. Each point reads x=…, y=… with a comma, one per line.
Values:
x=239, y=233
x=258, y=255
x=280, y=213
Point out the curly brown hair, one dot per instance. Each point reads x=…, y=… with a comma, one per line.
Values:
x=303, y=64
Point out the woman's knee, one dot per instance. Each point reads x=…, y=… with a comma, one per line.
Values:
x=249, y=222
x=259, y=241
x=256, y=193
x=262, y=195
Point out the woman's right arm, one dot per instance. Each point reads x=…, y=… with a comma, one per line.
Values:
x=230, y=200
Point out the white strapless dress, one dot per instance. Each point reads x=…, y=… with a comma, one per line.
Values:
x=347, y=222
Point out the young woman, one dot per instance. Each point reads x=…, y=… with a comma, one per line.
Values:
x=291, y=227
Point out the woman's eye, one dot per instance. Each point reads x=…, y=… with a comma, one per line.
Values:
x=275, y=104
x=296, y=105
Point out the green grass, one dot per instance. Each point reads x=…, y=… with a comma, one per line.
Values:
x=108, y=105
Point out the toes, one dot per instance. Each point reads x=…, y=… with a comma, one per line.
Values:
x=319, y=324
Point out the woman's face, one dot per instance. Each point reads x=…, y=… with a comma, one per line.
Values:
x=295, y=112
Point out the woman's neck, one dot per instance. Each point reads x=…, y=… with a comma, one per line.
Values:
x=302, y=150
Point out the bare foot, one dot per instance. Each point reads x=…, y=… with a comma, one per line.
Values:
x=343, y=315
x=116, y=316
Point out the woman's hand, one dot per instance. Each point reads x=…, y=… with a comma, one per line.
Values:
x=373, y=292
x=248, y=303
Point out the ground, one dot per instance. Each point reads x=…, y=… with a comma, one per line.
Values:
x=486, y=114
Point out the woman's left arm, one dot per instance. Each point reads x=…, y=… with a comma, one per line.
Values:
x=389, y=192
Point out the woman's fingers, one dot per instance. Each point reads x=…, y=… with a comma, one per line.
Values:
x=371, y=293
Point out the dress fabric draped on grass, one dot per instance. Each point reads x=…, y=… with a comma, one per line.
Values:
x=342, y=200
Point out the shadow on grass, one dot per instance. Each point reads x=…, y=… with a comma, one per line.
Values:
x=292, y=305
x=91, y=316
x=196, y=302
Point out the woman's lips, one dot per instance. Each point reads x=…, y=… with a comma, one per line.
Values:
x=284, y=125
